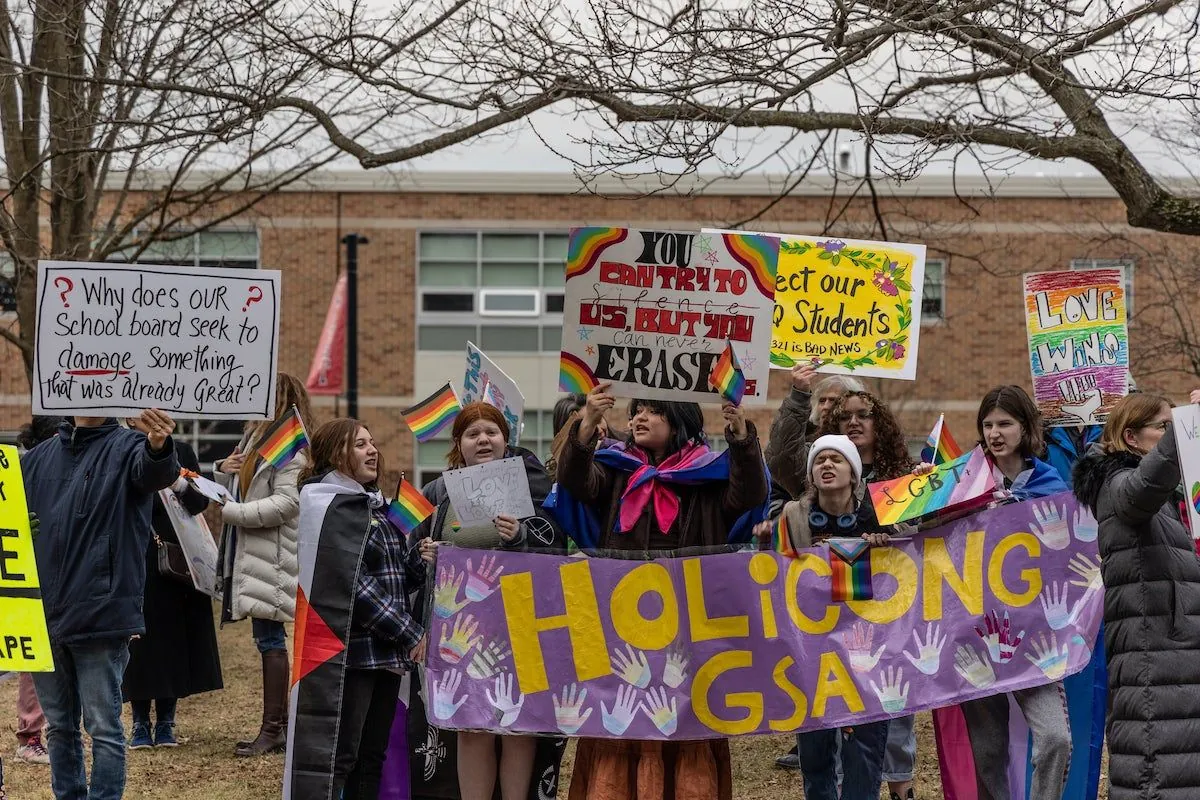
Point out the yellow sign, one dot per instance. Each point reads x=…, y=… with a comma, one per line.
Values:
x=24, y=641
x=847, y=306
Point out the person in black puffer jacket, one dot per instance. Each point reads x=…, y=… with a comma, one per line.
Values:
x=1130, y=481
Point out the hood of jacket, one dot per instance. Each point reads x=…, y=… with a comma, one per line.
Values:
x=1093, y=471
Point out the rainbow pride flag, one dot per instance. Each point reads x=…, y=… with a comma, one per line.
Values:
x=960, y=483
x=781, y=539
x=850, y=562
x=940, y=446
x=284, y=440
x=433, y=413
x=409, y=509
x=726, y=376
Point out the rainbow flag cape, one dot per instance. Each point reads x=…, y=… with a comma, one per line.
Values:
x=940, y=447
x=962, y=482
x=409, y=508
x=284, y=440
x=850, y=562
x=433, y=413
x=726, y=376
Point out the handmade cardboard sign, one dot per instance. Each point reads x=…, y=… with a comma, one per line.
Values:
x=24, y=640
x=1078, y=343
x=954, y=485
x=651, y=311
x=503, y=392
x=485, y=491
x=113, y=339
x=1187, y=440
x=745, y=643
x=197, y=543
x=848, y=306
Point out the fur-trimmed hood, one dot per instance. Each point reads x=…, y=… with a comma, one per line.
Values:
x=1093, y=470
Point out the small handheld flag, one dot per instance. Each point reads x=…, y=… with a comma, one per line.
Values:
x=781, y=538
x=284, y=440
x=850, y=565
x=433, y=413
x=726, y=376
x=409, y=509
x=940, y=447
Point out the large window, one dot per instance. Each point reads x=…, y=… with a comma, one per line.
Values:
x=536, y=437
x=503, y=291
x=1109, y=263
x=933, y=294
x=235, y=249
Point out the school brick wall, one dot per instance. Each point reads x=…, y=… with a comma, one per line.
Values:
x=989, y=242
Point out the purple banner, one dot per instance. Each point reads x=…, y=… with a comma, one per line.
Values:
x=740, y=643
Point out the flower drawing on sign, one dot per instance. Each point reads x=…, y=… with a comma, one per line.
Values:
x=884, y=283
x=831, y=246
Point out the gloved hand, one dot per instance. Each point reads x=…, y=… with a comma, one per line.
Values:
x=35, y=525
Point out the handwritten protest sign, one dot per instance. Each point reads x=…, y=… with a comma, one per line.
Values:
x=115, y=339
x=503, y=391
x=196, y=541
x=741, y=643
x=848, y=306
x=483, y=492
x=957, y=484
x=650, y=311
x=24, y=640
x=1078, y=343
x=1187, y=440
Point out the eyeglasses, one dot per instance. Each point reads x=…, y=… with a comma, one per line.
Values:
x=1162, y=426
x=861, y=416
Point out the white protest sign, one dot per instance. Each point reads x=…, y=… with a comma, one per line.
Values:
x=482, y=371
x=114, y=339
x=485, y=491
x=211, y=489
x=1187, y=440
x=196, y=541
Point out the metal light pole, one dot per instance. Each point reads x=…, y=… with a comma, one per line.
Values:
x=352, y=241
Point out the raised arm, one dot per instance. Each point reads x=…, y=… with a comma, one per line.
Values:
x=154, y=465
x=577, y=467
x=1137, y=494
x=747, y=486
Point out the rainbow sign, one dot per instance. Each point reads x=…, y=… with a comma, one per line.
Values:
x=963, y=482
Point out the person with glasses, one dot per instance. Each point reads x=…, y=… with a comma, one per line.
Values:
x=1130, y=480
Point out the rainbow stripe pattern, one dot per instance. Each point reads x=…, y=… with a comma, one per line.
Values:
x=574, y=375
x=759, y=255
x=965, y=481
x=1196, y=496
x=850, y=563
x=727, y=377
x=433, y=413
x=409, y=509
x=781, y=538
x=940, y=447
x=284, y=440
x=586, y=245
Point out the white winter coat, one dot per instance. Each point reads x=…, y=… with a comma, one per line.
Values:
x=258, y=543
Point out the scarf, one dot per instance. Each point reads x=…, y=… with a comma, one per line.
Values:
x=649, y=483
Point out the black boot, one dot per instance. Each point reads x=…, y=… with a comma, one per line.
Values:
x=272, y=735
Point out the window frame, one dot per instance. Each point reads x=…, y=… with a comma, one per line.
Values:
x=940, y=317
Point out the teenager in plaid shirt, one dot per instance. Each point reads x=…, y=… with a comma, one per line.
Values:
x=385, y=637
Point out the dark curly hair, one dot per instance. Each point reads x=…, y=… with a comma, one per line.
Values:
x=891, y=453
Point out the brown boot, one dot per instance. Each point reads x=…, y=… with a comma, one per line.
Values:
x=272, y=736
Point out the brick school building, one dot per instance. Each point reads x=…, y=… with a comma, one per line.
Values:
x=479, y=256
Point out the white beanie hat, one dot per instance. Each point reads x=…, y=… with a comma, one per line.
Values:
x=843, y=445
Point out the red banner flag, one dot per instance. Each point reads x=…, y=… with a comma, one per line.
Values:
x=328, y=372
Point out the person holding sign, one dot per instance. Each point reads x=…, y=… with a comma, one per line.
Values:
x=92, y=487
x=662, y=490
x=481, y=435
x=1151, y=582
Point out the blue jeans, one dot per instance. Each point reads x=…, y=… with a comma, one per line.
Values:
x=268, y=634
x=86, y=681
x=861, y=761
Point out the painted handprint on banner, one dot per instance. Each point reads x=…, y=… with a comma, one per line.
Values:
x=1083, y=525
x=998, y=636
x=974, y=670
x=569, y=713
x=891, y=696
x=444, y=704
x=445, y=593
x=1051, y=528
x=482, y=582
x=675, y=672
x=1048, y=657
x=1088, y=571
x=1059, y=613
x=487, y=661
x=929, y=655
x=858, y=643
x=462, y=639
x=634, y=669
x=664, y=714
x=624, y=709
x=506, y=707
